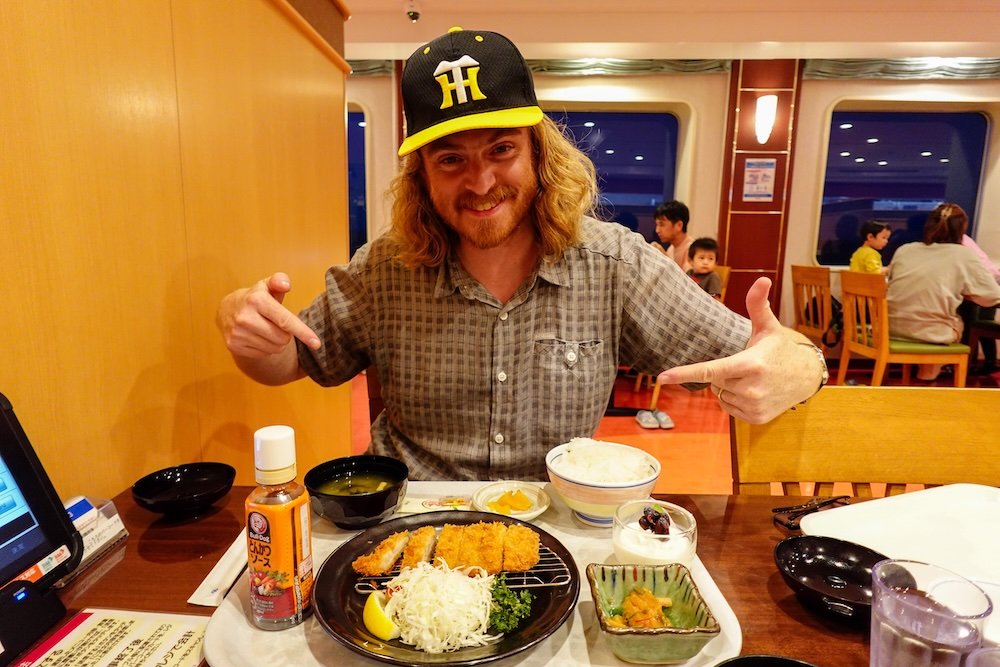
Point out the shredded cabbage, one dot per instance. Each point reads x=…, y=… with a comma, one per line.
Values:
x=439, y=609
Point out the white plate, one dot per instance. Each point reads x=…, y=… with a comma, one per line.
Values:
x=482, y=498
x=956, y=526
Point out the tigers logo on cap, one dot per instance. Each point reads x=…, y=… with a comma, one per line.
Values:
x=465, y=80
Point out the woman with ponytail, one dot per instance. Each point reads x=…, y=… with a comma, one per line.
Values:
x=929, y=280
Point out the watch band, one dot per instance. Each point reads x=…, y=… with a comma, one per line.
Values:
x=825, y=376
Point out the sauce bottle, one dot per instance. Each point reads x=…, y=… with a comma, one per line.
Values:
x=279, y=534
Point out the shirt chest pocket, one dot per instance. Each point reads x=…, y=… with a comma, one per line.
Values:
x=568, y=358
x=572, y=380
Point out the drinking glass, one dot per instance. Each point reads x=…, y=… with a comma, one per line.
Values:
x=984, y=657
x=924, y=615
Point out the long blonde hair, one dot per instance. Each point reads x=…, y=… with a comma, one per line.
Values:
x=567, y=190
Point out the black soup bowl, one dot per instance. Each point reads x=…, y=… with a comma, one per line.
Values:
x=828, y=574
x=184, y=489
x=356, y=492
x=763, y=661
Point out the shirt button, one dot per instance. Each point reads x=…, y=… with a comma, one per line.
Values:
x=571, y=356
x=498, y=438
x=503, y=316
x=502, y=376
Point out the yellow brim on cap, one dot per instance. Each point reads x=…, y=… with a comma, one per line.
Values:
x=519, y=117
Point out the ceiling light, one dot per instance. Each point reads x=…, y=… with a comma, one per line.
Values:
x=589, y=123
x=845, y=153
x=859, y=159
x=926, y=153
x=944, y=159
x=846, y=126
x=882, y=163
x=767, y=110
x=639, y=157
x=362, y=123
x=872, y=140
x=609, y=151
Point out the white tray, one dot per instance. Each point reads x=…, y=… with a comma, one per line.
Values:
x=956, y=526
x=232, y=641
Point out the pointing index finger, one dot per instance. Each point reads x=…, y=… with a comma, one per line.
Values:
x=287, y=321
x=699, y=373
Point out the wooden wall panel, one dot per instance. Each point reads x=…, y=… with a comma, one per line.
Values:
x=96, y=339
x=752, y=245
x=133, y=195
x=752, y=222
x=265, y=186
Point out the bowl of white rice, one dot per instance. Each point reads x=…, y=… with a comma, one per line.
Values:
x=594, y=477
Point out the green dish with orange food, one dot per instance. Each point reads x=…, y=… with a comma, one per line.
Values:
x=691, y=623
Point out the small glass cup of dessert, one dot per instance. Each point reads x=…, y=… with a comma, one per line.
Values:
x=654, y=532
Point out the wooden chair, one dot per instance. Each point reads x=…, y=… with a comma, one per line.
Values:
x=375, y=404
x=866, y=333
x=981, y=329
x=886, y=436
x=811, y=296
x=723, y=272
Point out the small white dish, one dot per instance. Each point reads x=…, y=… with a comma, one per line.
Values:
x=490, y=492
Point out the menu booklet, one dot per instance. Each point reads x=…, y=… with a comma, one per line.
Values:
x=104, y=637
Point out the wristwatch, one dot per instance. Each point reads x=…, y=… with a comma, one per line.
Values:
x=825, y=377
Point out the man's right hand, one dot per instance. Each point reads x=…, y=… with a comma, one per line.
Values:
x=256, y=327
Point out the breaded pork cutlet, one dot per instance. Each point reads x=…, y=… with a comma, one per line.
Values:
x=449, y=545
x=491, y=546
x=482, y=546
x=420, y=547
x=472, y=538
x=383, y=557
x=520, y=549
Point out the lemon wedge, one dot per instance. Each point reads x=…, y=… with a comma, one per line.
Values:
x=376, y=620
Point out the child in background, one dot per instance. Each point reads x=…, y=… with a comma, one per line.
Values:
x=702, y=254
x=874, y=237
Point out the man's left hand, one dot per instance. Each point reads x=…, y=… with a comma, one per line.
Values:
x=778, y=369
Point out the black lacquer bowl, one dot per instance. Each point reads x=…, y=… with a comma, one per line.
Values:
x=828, y=574
x=184, y=489
x=355, y=512
x=763, y=661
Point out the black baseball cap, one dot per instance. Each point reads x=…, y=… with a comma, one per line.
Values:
x=465, y=80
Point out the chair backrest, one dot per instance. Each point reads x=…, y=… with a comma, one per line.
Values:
x=375, y=404
x=811, y=296
x=866, y=313
x=867, y=435
x=723, y=273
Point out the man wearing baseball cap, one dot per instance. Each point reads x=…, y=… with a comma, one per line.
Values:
x=496, y=310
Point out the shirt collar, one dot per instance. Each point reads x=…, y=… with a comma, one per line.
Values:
x=453, y=277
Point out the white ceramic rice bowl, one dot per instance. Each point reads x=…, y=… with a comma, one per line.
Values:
x=595, y=502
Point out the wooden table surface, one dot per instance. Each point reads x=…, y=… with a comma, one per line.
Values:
x=162, y=563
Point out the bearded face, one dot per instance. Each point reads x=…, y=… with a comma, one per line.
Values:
x=482, y=183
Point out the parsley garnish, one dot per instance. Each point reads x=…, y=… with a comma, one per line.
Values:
x=508, y=608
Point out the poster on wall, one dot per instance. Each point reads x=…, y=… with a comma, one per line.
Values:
x=758, y=179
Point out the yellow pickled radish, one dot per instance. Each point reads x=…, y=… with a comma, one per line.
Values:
x=510, y=501
x=375, y=618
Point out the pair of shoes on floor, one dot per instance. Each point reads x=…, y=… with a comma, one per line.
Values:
x=988, y=368
x=654, y=419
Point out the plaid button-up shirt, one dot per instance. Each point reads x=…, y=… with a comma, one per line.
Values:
x=479, y=389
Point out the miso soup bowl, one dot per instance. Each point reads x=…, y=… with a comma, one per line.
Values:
x=354, y=511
